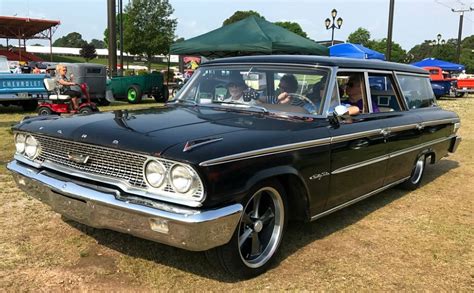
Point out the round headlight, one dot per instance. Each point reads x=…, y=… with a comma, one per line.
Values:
x=20, y=143
x=31, y=147
x=155, y=173
x=182, y=178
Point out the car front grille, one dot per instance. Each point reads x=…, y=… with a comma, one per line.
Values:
x=102, y=161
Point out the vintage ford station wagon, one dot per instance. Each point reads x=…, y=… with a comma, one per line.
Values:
x=248, y=144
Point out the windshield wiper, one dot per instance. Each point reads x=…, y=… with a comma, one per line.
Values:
x=243, y=106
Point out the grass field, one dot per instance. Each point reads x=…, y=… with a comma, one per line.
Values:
x=397, y=240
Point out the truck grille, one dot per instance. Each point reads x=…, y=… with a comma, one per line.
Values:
x=102, y=161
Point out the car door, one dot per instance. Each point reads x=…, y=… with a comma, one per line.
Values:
x=358, y=151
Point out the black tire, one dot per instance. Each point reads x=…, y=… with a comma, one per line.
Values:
x=459, y=95
x=163, y=96
x=44, y=111
x=85, y=110
x=134, y=94
x=416, y=174
x=103, y=102
x=29, y=105
x=258, y=235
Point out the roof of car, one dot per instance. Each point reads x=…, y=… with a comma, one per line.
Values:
x=320, y=60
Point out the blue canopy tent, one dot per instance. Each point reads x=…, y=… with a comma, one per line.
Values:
x=354, y=51
x=445, y=65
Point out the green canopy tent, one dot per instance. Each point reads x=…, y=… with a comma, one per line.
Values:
x=250, y=36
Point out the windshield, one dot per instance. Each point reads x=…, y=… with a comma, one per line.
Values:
x=264, y=88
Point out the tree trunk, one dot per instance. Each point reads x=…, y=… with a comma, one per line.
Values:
x=149, y=62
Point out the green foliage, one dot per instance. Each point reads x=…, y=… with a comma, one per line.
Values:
x=71, y=40
x=398, y=54
x=292, y=27
x=88, y=52
x=98, y=44
x=239, y=15
x=359, y=36
x=178, y=40
x=148, y=28
x=117, y=30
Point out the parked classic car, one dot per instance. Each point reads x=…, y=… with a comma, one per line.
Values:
x=207, y=174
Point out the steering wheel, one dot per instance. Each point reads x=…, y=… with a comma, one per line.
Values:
x=303, y=99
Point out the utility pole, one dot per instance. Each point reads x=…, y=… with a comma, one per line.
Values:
x=390, y=29
x=112, y=38
x=461, y=16
x=121, y=37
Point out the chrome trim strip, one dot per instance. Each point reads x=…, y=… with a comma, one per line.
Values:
x=351, y=136
x=266, y=151
x=413, y=74
x=426, y=144
x=440, y=121
x=346, y=204
x=191, y=229
x=368, y=94
x=359, y=165
x=404, y=127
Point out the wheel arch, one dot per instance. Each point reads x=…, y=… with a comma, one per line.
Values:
x=294, y=185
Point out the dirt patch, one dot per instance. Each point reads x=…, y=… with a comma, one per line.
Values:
x=396, y=240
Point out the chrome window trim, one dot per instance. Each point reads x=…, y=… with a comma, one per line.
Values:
x=348, y=203
x=359, y=165
x=266, y=151
x=412, y=74
x=346, y=137
x=368, y=93
x=404, y=127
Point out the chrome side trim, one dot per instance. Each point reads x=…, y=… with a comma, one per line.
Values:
x=391, y=155
x=421, y=146
x=441, y=121
x=413, y=74
x=359, y=165
x=357, y=135
x=346, y=204
x=404, y=127
x=266, y=151
x=191, y=229
x=190, y=145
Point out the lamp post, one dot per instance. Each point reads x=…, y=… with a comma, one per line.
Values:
x=334, y=24
x=438, y=41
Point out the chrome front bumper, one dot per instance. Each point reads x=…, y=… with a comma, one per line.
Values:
x=186, y=228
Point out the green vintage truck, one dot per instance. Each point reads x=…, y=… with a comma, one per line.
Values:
x=134, y=88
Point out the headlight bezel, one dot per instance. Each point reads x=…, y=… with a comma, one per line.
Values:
x=32, y=144
x=146, y=177
x=192, y=174
x=195, y=192
x=24, y=142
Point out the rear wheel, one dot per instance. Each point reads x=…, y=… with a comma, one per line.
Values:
x=44, y=111
x=257, y=238
x=134, y=94
x=85, y=110
x=459, y=95
x=416, y=174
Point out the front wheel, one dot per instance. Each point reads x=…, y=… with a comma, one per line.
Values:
x=134, y=94
x=257, y=238
x=85, y=110
x=44, y=111
x=163, y=96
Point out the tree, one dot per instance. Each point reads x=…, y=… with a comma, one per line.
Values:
x=88, y=52
x=239, y=15
x=98, y=44
x=178, y=40
x=292, y=27
x=398, y=54
x=148, y=28
x=117, y=25
x=467, y=55
x=71, y=40
x=359, y=36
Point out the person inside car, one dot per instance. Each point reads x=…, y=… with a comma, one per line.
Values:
x=355, y=103
x=235, y=89
x=65, y=85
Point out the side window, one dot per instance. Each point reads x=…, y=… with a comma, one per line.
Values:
x=382, y=95
x=352, y=90
x=417, y=91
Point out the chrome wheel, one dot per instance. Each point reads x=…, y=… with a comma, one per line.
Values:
x=261, y=227
x=418, y=170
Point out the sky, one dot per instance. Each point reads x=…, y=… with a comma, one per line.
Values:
x=414, y=20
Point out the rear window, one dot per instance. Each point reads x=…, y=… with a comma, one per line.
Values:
x=417, y=91
x=95, y=70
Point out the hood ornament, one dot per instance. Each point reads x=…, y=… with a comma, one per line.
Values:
x=200, y=142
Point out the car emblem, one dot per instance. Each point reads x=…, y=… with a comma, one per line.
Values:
x=78, y=158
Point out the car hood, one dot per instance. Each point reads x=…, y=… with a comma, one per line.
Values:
x=152, y=130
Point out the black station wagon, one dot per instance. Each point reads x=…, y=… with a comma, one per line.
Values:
x=248, y=144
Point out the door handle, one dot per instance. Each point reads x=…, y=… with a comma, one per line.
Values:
x=358, y=144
